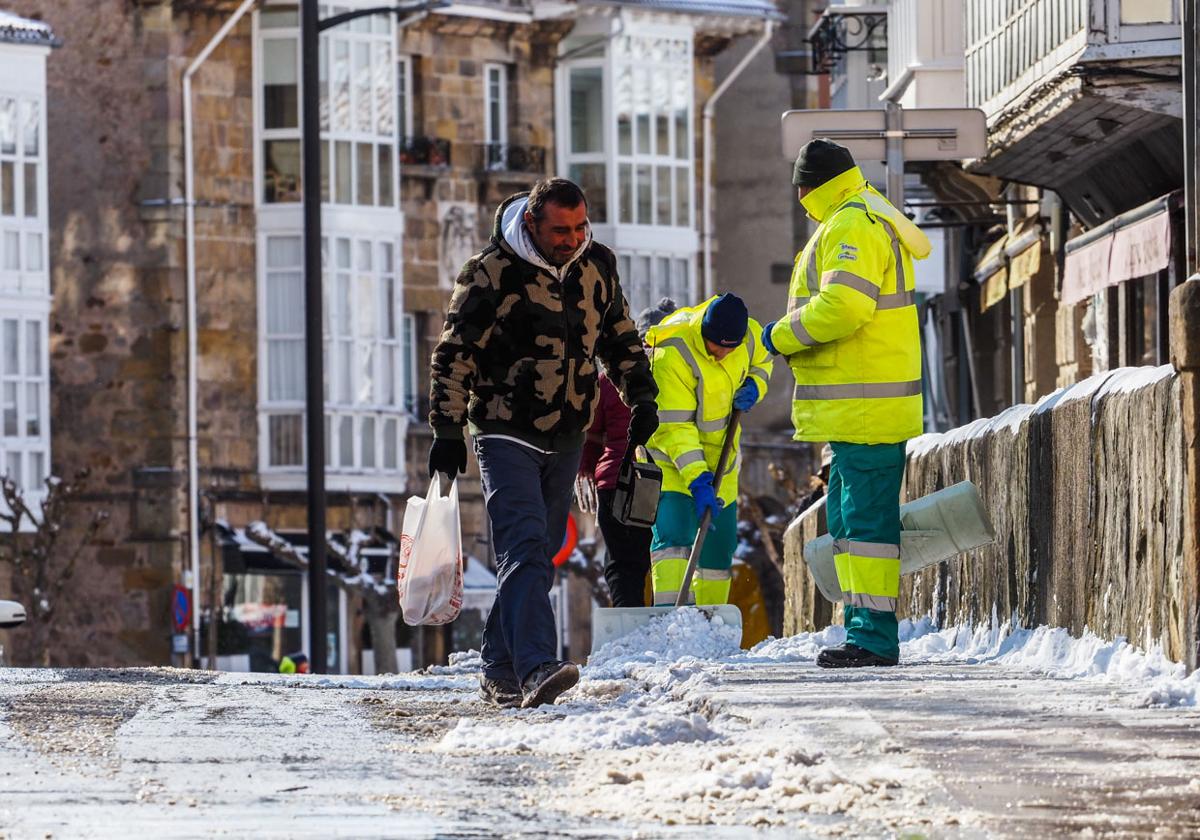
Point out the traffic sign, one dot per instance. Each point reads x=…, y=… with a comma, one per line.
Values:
x=181, y=608
x=927, y=133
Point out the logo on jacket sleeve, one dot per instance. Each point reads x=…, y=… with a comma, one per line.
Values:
x=846, y=251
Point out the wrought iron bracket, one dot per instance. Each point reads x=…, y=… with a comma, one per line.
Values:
x=839, y=33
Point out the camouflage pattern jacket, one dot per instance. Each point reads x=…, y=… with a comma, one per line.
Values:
x=517, y=355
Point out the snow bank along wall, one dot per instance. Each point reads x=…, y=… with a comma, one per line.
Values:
x=1087, y=494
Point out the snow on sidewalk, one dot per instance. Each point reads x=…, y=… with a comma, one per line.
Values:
x=665, y=738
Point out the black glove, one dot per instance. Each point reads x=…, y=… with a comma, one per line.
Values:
x=643, y=423
x=449, y=456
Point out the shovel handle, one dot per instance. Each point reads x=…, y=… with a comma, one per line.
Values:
x=706, y=518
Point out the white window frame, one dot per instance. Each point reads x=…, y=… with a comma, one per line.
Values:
x=1133, y=32
x=339, y=220
x=410, y=347
x=673, y=241
x=493, y=133
x=25, y=291
x=404, y=122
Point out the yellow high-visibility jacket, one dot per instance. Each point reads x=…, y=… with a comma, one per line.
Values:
x=695, y=398
x=852, y=333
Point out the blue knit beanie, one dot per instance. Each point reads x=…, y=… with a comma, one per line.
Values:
x=725, y=321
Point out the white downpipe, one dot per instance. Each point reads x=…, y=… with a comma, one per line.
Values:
x=189, y=190
x=710, y=107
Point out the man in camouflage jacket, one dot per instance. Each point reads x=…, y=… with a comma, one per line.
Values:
x=516, y=361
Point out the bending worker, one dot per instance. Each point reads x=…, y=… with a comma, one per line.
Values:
x=852, y=340
x=707, y=360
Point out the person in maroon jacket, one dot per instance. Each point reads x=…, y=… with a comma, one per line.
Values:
x=627, y=548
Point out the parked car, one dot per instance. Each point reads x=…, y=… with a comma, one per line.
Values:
x=12, y=614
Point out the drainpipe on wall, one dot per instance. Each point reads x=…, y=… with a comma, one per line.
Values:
x=189, y=190
x=710, y=107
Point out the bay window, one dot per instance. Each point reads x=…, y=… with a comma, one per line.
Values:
x=365, y=101
x=626, y=111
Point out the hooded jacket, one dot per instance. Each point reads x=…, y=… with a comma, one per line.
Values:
x=852, y=335
x=517, y=355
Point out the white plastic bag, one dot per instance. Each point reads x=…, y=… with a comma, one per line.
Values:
x=429, y=579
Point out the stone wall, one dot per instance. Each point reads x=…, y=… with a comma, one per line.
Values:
x=1086, y=492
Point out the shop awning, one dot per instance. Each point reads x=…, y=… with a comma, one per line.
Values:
x=1009, y=263
x=1131, y=245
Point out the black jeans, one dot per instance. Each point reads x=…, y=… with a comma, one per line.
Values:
x=627, y=559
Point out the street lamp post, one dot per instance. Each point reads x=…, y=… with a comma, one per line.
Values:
x=311, y=27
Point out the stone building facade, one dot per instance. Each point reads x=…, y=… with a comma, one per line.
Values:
x=426, y=128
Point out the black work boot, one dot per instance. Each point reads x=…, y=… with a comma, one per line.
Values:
x=547, y=681
x=852, y=656
x=503, y=693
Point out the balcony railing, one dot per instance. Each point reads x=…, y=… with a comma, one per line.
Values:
x=425, y=151
x=510, y=157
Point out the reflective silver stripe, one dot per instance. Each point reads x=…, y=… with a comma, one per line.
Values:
x=751, y=346
x=713, y=425
x=871, y=602
x=676, y=416
x=812, y=278
x=666, y=598
x=853, y=281
x=798, y=301
x=691, y=457
x=896, y=301
x=860, y=391
x=714, y=574
x=883, y=551
x=841, y=546
x=801, y=332
x=658, y=455
x=671, y=552
x=901, y=283
x=760, y=373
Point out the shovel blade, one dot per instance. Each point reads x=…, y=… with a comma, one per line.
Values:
x=610, y=623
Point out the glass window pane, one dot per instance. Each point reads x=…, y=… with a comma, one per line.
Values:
x=639, y=288
x=281, y=88
x=385, y=107
x=385, y=257
x=343, y=305
x=33, y=410
x=591, y=177
x=286, y=433
x=343, y=252
x=344, y=376
x=33, y=348
x=342, y=172
x=642, y=111
x=625, y=190
x=285, y=303
x=681, y=99
x=494, y=103
x=329, y=442
x=8, y=189
x=663, y=196
x=387, y=307
x=362, y=87
x=368, y=442
x=285, y=369
x=683, y=205
x=387, y=375
x=8, y=126
x=587, y=110
x=12, y=466
x=662, y=108
x=402, y=104
x=323, y=83
x=1147, y=11
x=12, y=251
x=341, y=85
x=366, y=374
x=644, y=216
x=386, y=198
x=680, y=289
x=363, y=263
x=37, y=470
x=30, y=124
x=281, y=171
x=326, y=170
x=12, y=343
x=623, y=93
x=389, y=443
x=661, y=287
x=346, y=441
x=276, y=18
x=285, y=252
x=31, y=190
x=366, y=173
x=33, y=252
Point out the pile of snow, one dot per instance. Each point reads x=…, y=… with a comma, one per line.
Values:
x=461, y=662
x=682, y=636
x=391, y=682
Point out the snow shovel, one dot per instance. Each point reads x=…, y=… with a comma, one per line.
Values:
x=933, y=528
x=609, y=623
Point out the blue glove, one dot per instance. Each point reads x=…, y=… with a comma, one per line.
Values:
x=766, y=338
x=705, y=497
x=746, y=396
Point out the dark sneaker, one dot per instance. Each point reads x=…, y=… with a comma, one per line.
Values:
x=547, y=682
x=503, y=693
x=852, y=656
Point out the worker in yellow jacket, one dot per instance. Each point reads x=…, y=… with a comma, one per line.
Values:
x=707, y=360
x=852, y=339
